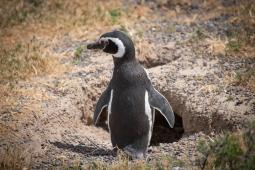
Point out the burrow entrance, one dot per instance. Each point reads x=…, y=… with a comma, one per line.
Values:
x=162, y=133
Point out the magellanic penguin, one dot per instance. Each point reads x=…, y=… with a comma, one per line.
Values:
x=130, y=97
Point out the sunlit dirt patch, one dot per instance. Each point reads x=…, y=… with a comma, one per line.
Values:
x=150, y=55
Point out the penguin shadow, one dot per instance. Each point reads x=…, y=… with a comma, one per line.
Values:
x=162, y=133
x=85, y=150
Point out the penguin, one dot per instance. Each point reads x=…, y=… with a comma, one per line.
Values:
x=130, y=98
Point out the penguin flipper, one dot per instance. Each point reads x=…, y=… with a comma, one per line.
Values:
x=160, y=103
x=101, y=104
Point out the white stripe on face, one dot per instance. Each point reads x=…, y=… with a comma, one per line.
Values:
x=149, y=114
x=121, y=48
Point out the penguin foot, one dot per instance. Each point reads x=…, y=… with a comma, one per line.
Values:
x=133, y=153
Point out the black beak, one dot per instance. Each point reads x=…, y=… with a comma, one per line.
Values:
x=96, y=45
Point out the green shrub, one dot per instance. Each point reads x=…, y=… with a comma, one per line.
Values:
x=115, y=14
x=246, y=78
x=230, y=151
x=78, y=57
x=78, y=52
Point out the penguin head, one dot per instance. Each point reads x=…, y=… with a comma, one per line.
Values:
x=116, y=43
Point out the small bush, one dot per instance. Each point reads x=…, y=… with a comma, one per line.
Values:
x=230, y=151
x=115, y=14
x=246, y=78
x=78, y=52
x=234, y=45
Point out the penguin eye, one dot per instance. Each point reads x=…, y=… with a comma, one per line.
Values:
x=110, y=46
x=104, y=41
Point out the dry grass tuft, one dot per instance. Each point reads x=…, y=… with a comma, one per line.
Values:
x=8, y=97
x=15, y=12
x=22, y=61
x=240, y=15
x=241, y=38
x=244, y=78
x=14, y=158
x=145, y=51
x=217, y=46
x=58, y=12
x=161, y=162
x=244, y=11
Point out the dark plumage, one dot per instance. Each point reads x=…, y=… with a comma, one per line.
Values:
x=129, y=97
